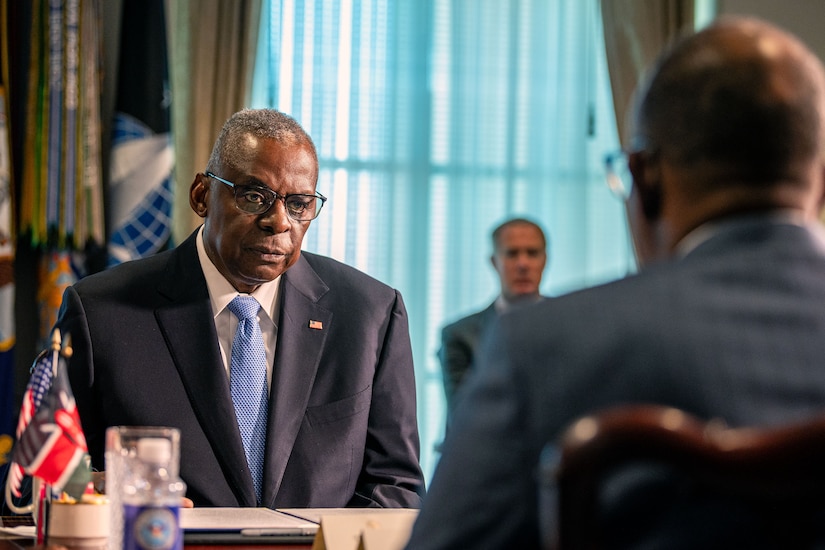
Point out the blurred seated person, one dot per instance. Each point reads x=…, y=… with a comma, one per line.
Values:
x=519, y=257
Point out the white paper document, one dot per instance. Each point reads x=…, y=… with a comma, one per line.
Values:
x=21, y=531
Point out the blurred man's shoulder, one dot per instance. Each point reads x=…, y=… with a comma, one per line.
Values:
x=471, y=320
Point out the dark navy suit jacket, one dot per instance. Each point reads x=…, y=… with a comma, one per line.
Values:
x=734, y=330
x=342, y=415
x=459, y=344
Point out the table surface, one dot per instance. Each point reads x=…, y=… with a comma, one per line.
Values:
x=29, y=543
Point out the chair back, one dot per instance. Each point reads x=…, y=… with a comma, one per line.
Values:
x=657, y=477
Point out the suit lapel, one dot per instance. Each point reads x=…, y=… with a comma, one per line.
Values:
x=302, y=330
x=189, y=331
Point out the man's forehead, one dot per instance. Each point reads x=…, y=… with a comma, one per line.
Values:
x=521, y=233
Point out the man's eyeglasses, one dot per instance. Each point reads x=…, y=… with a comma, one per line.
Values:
x=252, y=199
x=617, y=175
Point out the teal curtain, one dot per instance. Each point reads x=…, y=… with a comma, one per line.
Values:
x=434, y=121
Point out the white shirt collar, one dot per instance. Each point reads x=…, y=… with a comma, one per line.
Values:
x=221, y=292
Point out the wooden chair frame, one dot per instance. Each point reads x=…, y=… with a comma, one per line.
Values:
x=783, y=467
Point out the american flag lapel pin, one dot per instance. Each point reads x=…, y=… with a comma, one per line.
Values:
x=317, y=325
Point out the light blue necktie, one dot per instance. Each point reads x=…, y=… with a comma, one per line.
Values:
x=247, y=382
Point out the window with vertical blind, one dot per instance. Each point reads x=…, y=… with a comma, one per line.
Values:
x=435, y=120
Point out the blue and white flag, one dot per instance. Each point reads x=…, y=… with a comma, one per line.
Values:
x=140, y=197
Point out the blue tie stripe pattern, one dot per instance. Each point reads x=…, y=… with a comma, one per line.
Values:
x=247, y=383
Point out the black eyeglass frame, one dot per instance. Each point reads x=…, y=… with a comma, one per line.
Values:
x=270, y=197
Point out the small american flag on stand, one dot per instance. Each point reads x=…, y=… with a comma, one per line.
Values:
x=40, y=381
x=50, y=441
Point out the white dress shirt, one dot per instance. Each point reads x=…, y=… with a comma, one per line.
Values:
x=221, y=292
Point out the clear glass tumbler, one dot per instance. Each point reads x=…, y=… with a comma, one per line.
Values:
x=121, y=457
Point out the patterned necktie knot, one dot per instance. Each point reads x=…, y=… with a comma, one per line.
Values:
x=244, y=307
x=247, y=383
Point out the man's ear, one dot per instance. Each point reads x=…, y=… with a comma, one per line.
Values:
x=647, y=183
x=198, y=193
x=651, y=201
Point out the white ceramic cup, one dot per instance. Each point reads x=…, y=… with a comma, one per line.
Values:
x=81, y=524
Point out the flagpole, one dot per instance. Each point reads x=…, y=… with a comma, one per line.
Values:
x=46, y=499
x=40, y=520
x=55, y=350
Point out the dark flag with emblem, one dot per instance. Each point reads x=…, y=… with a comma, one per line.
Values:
x=142, y=160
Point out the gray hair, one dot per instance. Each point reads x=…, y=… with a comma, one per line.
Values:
x=262, y=123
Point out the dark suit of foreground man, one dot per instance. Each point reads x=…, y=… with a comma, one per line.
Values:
x=727, y=317
x=342, y=420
